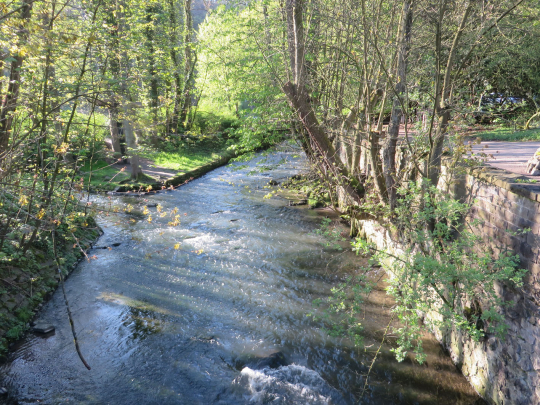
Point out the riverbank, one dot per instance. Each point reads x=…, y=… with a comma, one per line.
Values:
x=161, y=167
x=28, y=281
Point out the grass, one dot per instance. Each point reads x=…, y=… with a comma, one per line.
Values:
x=104, y=176
x=187, y=157
x=509, y=135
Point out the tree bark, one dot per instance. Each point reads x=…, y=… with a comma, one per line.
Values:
x=9, y=104
x=175, y=116
x=298, y=97
x=131, y=141
x=442, y=104
x=189, y=64
x=118, y=143
x=398, y=104
x=154, y=92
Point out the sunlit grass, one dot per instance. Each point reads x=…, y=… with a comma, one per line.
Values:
x=103, y=176
x=183, y=160
x=509, y=135
x=188, y=156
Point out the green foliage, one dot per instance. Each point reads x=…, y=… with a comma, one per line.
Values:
x=87, y=133
x=235, y=74
x=331, y=235
x=24, y=314
x=445, y=277
x=340, y=310
x=442, y=277
x=509, y=134
x=188, y=156
x=210, y=123
x=15, y=332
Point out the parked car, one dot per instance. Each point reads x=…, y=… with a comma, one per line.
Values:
x=493, y=106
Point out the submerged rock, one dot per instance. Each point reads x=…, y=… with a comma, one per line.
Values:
x=43, y=328
x=274, y=360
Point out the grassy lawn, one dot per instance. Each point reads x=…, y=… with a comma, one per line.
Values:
x=106, y=177
x=188, y=157
x=103, y=176
x=508, y=134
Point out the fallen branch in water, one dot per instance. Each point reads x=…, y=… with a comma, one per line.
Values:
x=67, y=303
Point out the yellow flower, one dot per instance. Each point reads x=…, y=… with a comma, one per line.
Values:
x=23, y=200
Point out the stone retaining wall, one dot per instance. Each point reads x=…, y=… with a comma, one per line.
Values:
x=502, y=371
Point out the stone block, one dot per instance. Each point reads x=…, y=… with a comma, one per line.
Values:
x=499, y=222
x=482, y=214
x=532, y=239
x=526, y=251
x=534, y=269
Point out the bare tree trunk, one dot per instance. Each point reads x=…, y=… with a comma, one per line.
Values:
x=442, y=103
x=189, y=63
x=114, y=130
x=398, y=103
x=9, y=104
x=154, y=92
x=131, y=140
x=175, y=117
x=299, y=99
x=128, y=105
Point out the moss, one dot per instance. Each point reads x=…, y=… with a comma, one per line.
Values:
x=27, y=280
x=311, y=186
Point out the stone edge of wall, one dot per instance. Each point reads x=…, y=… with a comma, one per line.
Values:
x=482, y=362
x=508, y=181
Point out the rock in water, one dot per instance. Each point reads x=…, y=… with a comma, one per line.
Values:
x=275, y=360
x=272, y=361
x=273, y=182
x=43, y=328
x=533, y=165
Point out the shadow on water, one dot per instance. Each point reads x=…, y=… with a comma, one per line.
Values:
x=223, y=318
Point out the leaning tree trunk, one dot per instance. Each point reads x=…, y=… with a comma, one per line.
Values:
x=443, y=99
x=299, y=100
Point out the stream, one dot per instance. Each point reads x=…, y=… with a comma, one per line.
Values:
x=215, y=310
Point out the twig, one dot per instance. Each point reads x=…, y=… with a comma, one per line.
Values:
x=67, y=303
x=376, y=354
x=80, y=247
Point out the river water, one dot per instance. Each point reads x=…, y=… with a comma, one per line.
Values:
x=214, y=310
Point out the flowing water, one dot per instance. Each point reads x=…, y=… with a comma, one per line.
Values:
x=215, y=310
